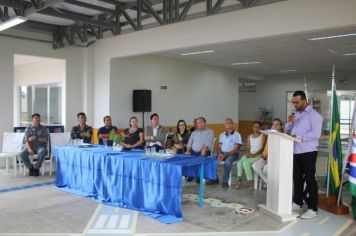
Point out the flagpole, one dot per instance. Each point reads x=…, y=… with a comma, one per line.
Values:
x=348, y=152
x=330, y=132
x=306, y=89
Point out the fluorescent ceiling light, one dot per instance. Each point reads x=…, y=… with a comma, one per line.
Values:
x=333, y=37
x=195, y=53
x=350, y=54
x=290, y=70
x=12, y=22
x=245, y=63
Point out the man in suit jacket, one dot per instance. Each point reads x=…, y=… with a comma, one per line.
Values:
x=155, y=134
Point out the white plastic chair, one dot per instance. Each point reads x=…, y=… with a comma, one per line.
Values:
x=257, y=180
x=211, y=152
x=212, y=147
x=57, y=139
x=11, y=148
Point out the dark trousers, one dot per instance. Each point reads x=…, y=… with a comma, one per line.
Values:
x=194, y=153
x=304, y=171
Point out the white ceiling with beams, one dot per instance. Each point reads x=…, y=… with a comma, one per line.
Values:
x=82, y=22
x=285, y=54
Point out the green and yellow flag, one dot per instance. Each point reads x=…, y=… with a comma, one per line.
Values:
x=335, y=148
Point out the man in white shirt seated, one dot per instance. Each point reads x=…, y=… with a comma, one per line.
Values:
x=228, y=150
x=155, y=134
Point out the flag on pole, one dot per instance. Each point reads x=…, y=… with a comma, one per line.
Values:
x=352, y=174
x=335, y=151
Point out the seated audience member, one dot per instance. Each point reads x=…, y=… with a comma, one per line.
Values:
x=228, y=150
x=200, y=142
x=155, y=134
x=134, y=134
x=82, y=131
x=36, y=138
x=260, y=166
x=103, y=132
x=194, y=127
x=254, y=148
x=181, y=137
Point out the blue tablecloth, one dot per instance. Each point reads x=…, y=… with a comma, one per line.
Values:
x=129, y=179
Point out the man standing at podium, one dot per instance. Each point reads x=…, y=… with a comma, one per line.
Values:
x=305, y=125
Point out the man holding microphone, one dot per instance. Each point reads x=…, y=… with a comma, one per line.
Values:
x=305, y=125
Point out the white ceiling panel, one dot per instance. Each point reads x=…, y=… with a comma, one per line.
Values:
x=280, y=53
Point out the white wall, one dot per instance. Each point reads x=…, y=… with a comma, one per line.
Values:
x=272, y=91
x=73, y=85
x=45, y=71
x=193, y=89
x=41, y=72
x=282, y=18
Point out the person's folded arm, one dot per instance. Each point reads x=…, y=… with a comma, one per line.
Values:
x=235, y=150
x=42, y=140
x=139, y=142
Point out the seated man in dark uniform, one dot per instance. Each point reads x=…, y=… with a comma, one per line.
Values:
x=36, y=138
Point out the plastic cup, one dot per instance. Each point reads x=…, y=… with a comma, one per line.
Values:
x=161, y=152
x=153, y=151
x=148, y=151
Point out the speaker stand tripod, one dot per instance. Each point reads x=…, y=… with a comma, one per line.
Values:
x=143, y=120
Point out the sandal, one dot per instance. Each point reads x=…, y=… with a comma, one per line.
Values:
x=238, y=185
x=251, y=185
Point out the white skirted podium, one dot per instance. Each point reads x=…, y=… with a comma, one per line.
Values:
x=280, y=176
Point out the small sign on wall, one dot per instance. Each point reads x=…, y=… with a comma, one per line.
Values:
x=247, y=87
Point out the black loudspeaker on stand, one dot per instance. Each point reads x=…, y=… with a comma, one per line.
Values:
x=141, y=102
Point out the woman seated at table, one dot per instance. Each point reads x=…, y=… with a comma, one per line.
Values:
x=103, y=133
x=181, y=137
x=134, y=134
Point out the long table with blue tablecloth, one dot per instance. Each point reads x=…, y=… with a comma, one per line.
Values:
x=129, y=179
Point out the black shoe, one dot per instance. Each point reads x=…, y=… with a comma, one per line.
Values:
x=211, y=182
x=31, y=170
x=36, y=172
x=225, y=185
x=198, y=180
x=189, y=179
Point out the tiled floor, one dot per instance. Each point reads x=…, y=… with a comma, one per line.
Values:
x=42, y=210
